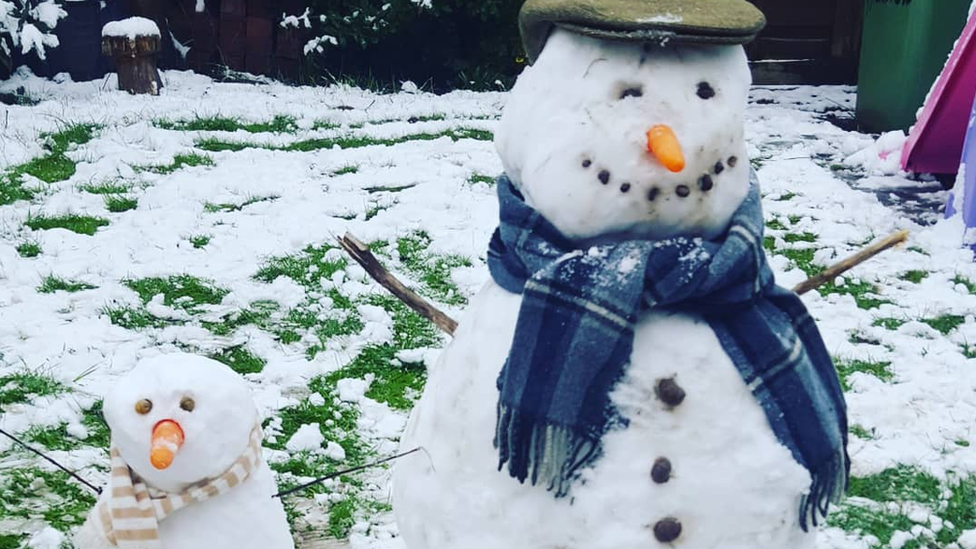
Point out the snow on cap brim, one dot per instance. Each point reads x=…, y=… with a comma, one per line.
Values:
x=682, y=21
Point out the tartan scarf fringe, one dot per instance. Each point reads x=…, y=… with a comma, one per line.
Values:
x=827, y=486
x=543, y=453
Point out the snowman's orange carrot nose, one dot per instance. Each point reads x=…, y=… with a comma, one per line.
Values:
x=167, y=437
x=664, y=145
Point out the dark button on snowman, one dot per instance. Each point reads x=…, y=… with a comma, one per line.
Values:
x=632, y=328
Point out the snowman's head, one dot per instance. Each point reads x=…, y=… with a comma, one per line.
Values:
x=178, y=419
x=641, y=140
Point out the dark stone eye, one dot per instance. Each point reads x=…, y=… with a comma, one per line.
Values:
x=188, y=404
x=604, y=177
x=705, y=90
x=632, y=92
x=587, y=163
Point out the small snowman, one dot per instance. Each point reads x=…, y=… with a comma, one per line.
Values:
x=187, y=470
x=632, y=377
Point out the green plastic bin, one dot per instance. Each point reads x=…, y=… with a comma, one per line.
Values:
x=904, y=47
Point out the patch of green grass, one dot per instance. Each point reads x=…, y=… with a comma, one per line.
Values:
x=93, y=419
x=119, y=204
x=889, y=323
x=12, y=541
x=953, y=500
x=52, y=438
x=319, y=125
x=392, y=383
x=900, y=484
x=945, y=323
x=845, y=368
x=50, y=168
x=81, y=224
x=226, y=207
x=959, y=279
x=53, y=284
x=12, y=190
x=787, y=196
x=342, y=517
x=306, y=268
x=860, y=432
x=375, y=210
x=802, y=258
x=259, y=314
x=960, y=510
x=478, y=178
x=343, y=142
x=21, y=387
x=864, y=293
x=29, y=249
x=962, y=443
x=918, y=250
x=132, y=318
x=862, y=520
x=914, y=276
x=802, y=237
x=279, y=124
x=62, y=502
x=240, y=360
x=969, y=351
x=776, y=225
x=186, y=160
x=345, y=170
x=434, y=271
x=200, y=241
x=106, y=188
x=182, y=291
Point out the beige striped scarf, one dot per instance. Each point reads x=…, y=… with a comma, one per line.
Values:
x=130, y=516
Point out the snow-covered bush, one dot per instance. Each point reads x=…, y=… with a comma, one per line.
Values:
x=345, y=22
x=467, y=43
x=26, y=25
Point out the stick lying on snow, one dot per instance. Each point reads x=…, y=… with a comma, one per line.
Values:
x=360, y=252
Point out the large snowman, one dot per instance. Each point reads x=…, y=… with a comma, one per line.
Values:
x=187, y=469
x=631, y=377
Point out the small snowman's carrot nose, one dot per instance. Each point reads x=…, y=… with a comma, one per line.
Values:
x=167, y=437
x=664, y=145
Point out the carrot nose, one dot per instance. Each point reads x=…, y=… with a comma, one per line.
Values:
x=664, y=145
x=167, y=437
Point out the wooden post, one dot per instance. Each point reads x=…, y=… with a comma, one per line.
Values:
x=133, y=43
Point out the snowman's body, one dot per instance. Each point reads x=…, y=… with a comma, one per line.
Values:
x=575, y=120
x=216, y=413
x=244, y=518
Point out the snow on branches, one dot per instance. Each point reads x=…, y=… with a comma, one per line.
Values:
x=27, y=25
x=351, y=21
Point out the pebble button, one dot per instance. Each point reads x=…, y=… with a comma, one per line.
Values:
x=669, y=392
x=667, y=530
x=661, y=471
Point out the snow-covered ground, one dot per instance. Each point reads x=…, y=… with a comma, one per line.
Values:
x=214, y=210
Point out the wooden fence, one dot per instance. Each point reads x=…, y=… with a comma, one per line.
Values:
x=243, y=35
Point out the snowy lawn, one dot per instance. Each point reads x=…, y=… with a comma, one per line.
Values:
x=205, y=220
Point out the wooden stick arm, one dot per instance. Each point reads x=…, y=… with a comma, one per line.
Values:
x=360, y=252
x=840, y=268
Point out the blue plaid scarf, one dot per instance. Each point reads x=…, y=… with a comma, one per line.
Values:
x=575, y=335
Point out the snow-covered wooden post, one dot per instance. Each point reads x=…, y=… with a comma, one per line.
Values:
x=133, y=44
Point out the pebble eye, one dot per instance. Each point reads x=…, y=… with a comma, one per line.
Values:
x=143, y=406
x=188, y=404
x=634, y=91
x=705, y=90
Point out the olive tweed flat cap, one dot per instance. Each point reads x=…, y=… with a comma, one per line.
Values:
x=686, y=21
